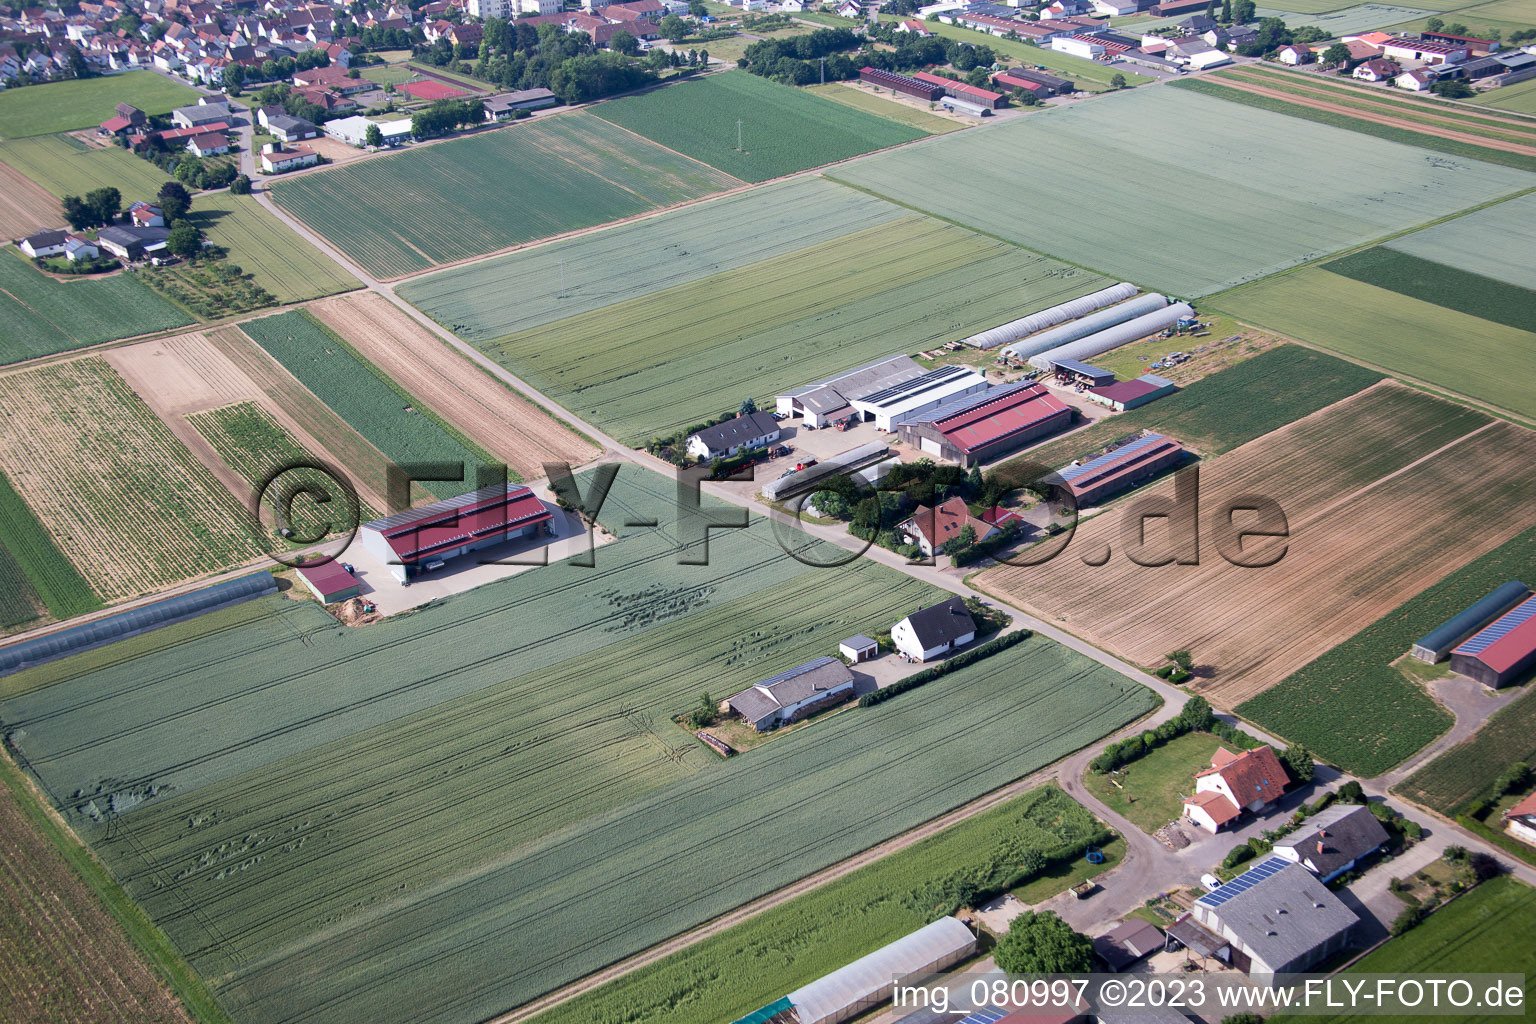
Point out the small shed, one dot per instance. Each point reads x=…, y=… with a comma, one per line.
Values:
x=330, y=582
x=1081, y=373
x=858, y=648
x=1127, y=943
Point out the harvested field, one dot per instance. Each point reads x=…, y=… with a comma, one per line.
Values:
x=393, y=420
x=1407, y=131
x=114, y=487
x=1241, y=161
x=523, y=290
x=86, y=102
x=495, y=417
x=45, y=315
x=862, y=99
x=265, y=248
x=576, y=170
x=1469, y=770
x=1447, y=286
x=65, y=166
x=1319, y=705
x=1403, y=334
x=1391, y=457
x=1494, y=242
x=697, y=349
x=318, y=823
x=66, y=959
x=25, y=206
x=783, y=130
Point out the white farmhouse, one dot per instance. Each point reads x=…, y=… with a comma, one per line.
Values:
x=740, y=434
x=930, y=632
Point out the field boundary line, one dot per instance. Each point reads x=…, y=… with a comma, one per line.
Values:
x=1345, y=85
x=1409, y=107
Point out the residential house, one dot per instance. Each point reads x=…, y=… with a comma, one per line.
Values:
x=331, y=78
x=1234, y=783
x=931, y=632
x=1295, y=54
x=913, y=26
x=210, y=144
x=77, y=248
x=1273, y=918
x=722, y=440
x=1520, y=820
x=849, y=9
x=1377, y=69
x=931, y=528
x=1416, y=79
x=795, y=694
x=43, y=243
x=1334, y=840
x=146, y=215
x=277, y=159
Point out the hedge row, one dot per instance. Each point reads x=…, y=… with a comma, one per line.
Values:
x=961, y=660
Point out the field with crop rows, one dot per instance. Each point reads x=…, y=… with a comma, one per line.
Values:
x=133, y=508
x=1519, y=98
x=256, y=446
x=1494, y=242
x=1210, y=185
x=25, y=206
x=313, y=823
x=1397, y=459
x=1451, y=287
x=1468, y=770
x=1498, y=17
x=1304, y=707
x=1463, y=146
x=66, y=958
x=1231, y=407
x=1479, y=931
x=1400, y=333
x=755, y=962
x=280, y=261
x=36, y=578
x=523, y=290
x=66, y=166
x=492, y=415
x=405, y=212
x=86, y=102
x=44, y=315
x=783, y=129
x=862, y=99
x=1348, y=20
x=394, y=422
x=699, y=348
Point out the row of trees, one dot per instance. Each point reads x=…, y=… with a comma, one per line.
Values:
x=102, y=206
x=237, y=76
x=797, y=60
x=440, y=118
x=517, y=55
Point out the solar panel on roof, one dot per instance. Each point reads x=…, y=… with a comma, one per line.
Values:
x=1073, y=472
x=1499, y=629
x=990, y=1015
x=916, y=384
x=1243, y=882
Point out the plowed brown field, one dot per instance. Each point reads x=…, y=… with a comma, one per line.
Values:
x=491, y=414
x=1384, y=493
x=24, y=206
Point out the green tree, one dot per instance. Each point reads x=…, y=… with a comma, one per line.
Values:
x=673, y=28
x=830, y=503
x=1434, y=24
x=373, y=137
x=960, y=541
x=1042, y=943
x=1243, y=11
x=747, y=407
x=241, y=186
x=79, y=213
x=1336, y=55
x=1298, y=761
x=174, y=201
x=104, y=203
x=1352, y=793
x=624, y=42
x=1226, y=12
x=1183, y=659
x=234, y=79
x=697, y=8
x=1197, y=715
x=185, y=239
x=1117, y=81
x=190, y=172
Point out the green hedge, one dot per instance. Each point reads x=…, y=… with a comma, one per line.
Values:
x=961, y=660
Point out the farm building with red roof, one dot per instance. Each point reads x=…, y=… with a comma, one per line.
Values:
x=432, y=90
x=330, y=581
x=423, y=538
x=982, y=426
x=960, y=91
x=1502, y=652
x=1124, y=467
x=1128, y=394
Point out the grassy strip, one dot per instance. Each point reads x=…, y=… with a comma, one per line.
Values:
x=755, y=962
x=46, y=571
x=1381, y=131
x=960, y=660
x=149, y=939
x=1469, y=769
x=1336, y=704
x=1228, y=408
x=1451, y=287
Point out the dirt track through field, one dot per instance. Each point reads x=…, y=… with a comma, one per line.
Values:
x=1397, y=99
x=492, y=415
x=1393, y=122
x=25, y=206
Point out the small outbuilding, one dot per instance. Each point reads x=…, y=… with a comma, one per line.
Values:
x=1277, y=918
x=1127, y=943
x=1129, y=394
x=330, y=581
x=868, y=982
x=858, y=648
x=1082, y=373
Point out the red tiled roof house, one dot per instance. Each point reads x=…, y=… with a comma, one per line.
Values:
x=1235, y=783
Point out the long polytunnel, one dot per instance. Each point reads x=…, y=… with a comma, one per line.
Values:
x=868, y=981
x=1090, y=324
x=1069, y=310
x=1132, y=330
